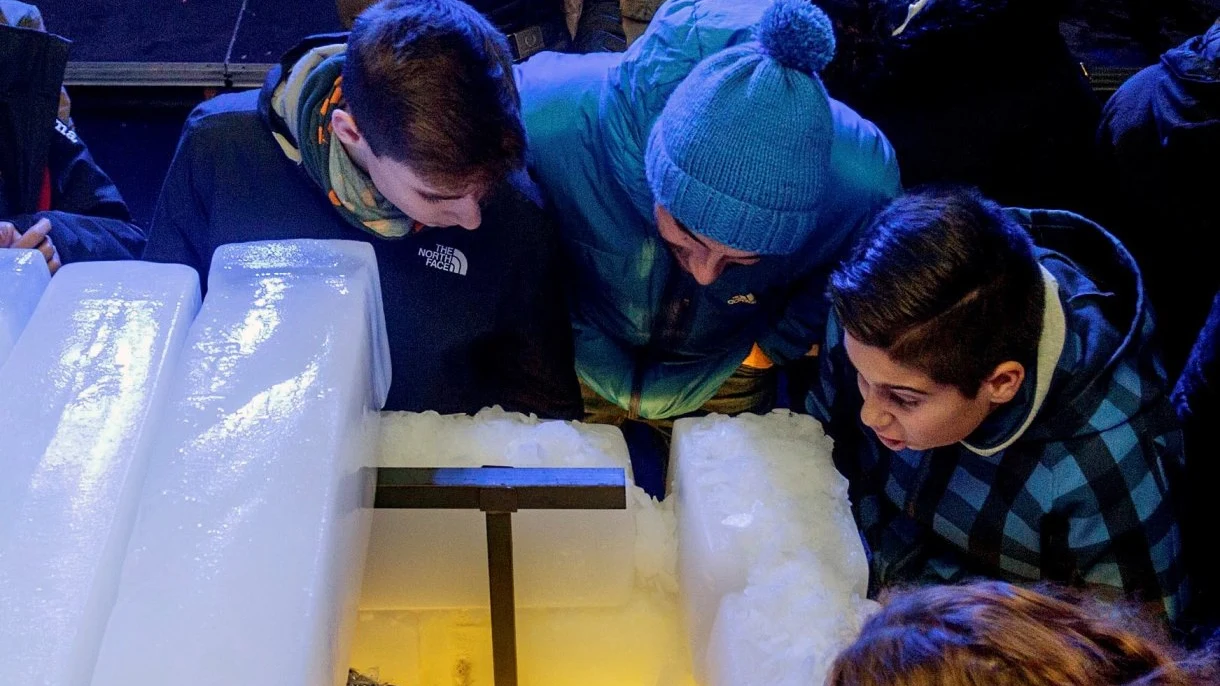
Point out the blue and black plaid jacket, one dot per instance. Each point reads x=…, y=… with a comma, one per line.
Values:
x=1082, y=496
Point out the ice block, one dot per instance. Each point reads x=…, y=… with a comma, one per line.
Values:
x=785, y=628
x=23, y=278
x=754, y=493
x=637, y=644
x=431, y=559
x=80, y=403
x=246, y=557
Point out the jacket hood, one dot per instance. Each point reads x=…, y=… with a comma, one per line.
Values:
x=1098, y=280
x=1187, y=104
x=34, y=64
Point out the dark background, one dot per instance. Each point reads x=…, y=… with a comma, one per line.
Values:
x=132, y=130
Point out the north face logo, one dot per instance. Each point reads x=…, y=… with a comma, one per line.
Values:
x=445, y=259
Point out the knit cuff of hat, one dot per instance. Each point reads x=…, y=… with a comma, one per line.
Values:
x=705, y=211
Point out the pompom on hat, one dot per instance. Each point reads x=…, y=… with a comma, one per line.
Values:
x=741, y=152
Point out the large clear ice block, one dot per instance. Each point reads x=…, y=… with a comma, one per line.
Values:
x=23, y=278
x=432, y=559
x=757, y=494
x=246, y=558
x=80, y=402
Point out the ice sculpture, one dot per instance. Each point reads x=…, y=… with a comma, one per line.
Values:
x=80, y=404
x=769, y=554
x=245, y=561
x=432, y=559
x=23, y=278
x=597, y=594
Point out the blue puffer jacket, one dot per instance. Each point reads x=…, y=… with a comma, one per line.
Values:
x=647, y=336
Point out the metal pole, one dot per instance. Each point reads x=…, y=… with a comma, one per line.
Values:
x=503, y=597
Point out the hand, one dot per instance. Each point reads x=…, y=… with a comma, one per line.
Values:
x=38, y=238
x=8, y=234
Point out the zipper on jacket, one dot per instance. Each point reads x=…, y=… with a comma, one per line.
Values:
x=637, y=383
x=921, y=477
x=671, y=327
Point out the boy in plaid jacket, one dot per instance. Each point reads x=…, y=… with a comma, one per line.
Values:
x=996, y=403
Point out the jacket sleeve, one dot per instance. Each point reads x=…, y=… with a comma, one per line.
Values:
x=1122, y=530
x=89, y=220
x=536, y=366
x=179, y=231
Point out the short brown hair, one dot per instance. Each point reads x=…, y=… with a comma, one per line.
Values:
x=996, y=634
x=430, y=84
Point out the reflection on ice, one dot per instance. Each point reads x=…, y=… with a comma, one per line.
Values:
x=81, y=403
x=246, y=556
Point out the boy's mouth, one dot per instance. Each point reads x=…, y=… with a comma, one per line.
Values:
x=891, y=443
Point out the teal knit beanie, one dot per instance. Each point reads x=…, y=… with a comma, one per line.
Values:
x=741, y=152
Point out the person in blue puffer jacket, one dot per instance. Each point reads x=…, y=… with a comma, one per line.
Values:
x=706, y=185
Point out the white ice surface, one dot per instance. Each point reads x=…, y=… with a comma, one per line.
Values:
x=247, y=553
x=785, y=628
x=755, y=495
x=79, y=404
x=23, y=278
x=429, y=559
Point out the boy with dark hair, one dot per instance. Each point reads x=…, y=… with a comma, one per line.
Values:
x=408, y=137
x=1011, y=418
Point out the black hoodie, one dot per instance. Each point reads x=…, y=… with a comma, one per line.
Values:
x=1159, y=142
x=46, y=171
x=975, y=92
x=474, y=318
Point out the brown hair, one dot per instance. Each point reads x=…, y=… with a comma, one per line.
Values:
x=996, y=634
x=430, y=84
x=945, y=282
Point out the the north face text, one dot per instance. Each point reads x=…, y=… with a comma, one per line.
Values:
x=445, y=259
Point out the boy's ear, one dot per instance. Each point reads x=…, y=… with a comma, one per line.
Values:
x=1004, y=382
x=345, y=128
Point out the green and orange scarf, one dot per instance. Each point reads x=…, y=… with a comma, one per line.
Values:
x=305, y=101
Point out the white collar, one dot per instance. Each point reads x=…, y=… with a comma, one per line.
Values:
x=1050, y=347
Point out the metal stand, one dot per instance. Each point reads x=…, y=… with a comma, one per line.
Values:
x=499, y=492
x=503, y=597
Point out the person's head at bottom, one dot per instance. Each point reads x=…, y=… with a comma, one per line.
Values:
x=430, y=108
x=995, y=634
